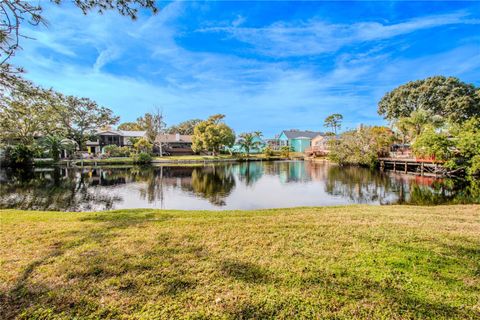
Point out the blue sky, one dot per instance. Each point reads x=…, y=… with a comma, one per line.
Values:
x=267, y=66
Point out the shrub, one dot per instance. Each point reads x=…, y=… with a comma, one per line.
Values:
x=20, y=155
x=142, y=158
x=268, y=152
x=285, y=151
x=116, y=151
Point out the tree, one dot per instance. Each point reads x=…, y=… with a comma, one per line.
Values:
x=412, y=126
x=249, y=141
x=153, y=123
x=361, y=147
x=467, y=146
x=212, y=135
x=13, y=13
x=55, y=144
x=82, y=117
x=27, y=112
x=431, y=143
x=185, y=127
x=333, y=121
x=130, y=126
x=449, y=97
x=143, y=145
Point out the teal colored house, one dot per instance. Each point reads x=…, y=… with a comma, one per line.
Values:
x=297, y=140
x=237, y=148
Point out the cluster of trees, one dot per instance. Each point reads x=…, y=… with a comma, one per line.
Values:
x=438, y=117
x=29, y=112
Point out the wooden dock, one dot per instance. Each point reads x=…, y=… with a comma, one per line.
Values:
x=412, y=166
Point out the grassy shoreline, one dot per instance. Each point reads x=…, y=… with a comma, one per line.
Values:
x=374, y=262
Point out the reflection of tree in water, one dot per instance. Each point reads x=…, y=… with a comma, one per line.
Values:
x=361, y=185
x=250, y=172
x=56, y=189
x=445, y=191
x=364, y=185
x=213, y=183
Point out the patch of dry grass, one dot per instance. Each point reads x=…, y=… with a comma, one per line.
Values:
x=390, y=262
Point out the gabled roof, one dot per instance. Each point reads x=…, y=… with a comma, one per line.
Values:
x=295, y=134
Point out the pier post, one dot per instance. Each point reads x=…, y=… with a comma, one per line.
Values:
x=421, y=169
x=394, y=166
x=406, y=167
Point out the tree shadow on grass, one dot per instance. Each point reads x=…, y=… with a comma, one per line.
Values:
x=245, y=271
x=25, y=294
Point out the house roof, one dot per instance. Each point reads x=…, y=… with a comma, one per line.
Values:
x=166, y=138
x=296, y=134
x=123, y=133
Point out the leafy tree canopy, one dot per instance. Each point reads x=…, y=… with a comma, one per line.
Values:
x=447, y=97
x=130, y=126
x=362, y=146
x=212, y=135
x=185, y=127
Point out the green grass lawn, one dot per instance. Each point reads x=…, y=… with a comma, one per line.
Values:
x=367, y=262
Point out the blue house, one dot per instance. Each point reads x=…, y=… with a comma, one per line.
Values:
x=297, y=140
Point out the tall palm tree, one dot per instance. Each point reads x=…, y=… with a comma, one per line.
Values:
x=248, y=141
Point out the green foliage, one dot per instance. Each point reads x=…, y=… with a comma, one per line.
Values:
x=268, y=152
x=82, y=117
x=449, y=98
x=212, y=135
x=333, y=121
x=116, y=151
x=27, y=112
x=467, y=146
x=54, y=145
x=142, y=158
x=130, y=126
x=285, y=151
x=361, y=147
x=143, y=146
x=153, y=123
x=431, y=143
x=249, y=141
x=410, y=127
x=186, y=127
x=20, y=154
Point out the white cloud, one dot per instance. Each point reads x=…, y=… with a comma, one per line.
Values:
x=315, y=37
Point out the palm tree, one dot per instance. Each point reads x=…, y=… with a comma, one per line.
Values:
x=54, y=144
x=248, y=141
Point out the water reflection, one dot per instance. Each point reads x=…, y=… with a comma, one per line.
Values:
x=246, y=185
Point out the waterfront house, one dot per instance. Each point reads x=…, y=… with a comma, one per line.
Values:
x=175, y=144
x=119, y=138
x=297, y=140
x=319, y=145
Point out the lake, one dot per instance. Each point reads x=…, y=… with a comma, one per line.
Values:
x=220, y=186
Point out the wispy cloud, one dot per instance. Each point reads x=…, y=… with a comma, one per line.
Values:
x=133, y=66
x=283, y=39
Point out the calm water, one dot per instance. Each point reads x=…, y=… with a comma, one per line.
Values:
x=222, y=186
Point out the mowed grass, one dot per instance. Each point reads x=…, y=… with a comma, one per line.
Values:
x=366, y=262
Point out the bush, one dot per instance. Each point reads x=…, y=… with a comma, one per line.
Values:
x=20, y=155
x=285, y=151
x=268, y=152
x=116, y=151
x=142, y=158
